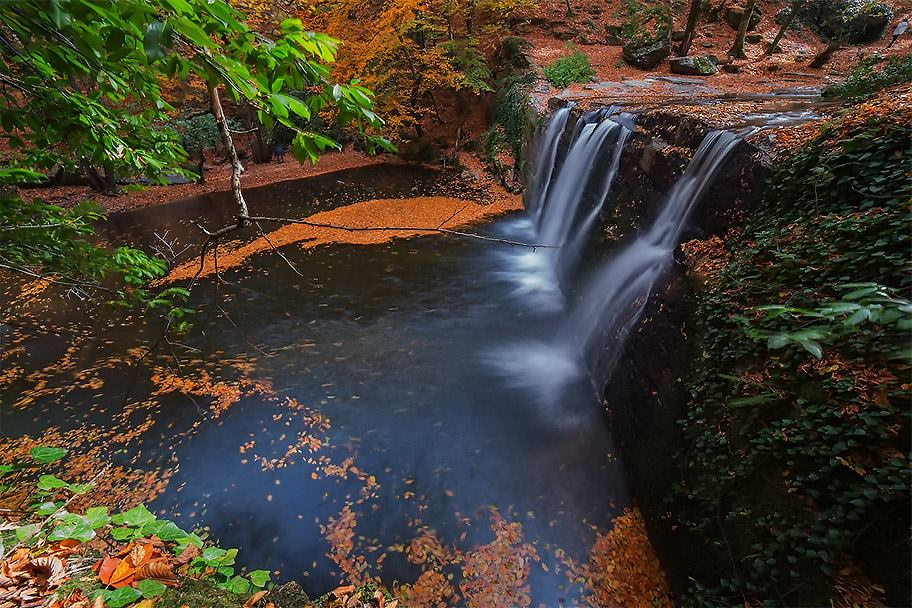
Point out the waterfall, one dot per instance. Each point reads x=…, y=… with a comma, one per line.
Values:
x=614, y=299
x=544, y=163
x=558, y=209
x=592, y=337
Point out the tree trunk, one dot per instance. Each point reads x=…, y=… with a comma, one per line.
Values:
x=825, y=55
x=774, y=45
x=236, y=168
x=692, y=18
x=737, y=50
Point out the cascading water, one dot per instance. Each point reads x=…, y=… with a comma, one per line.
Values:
x=618, y=293
x=544, y=163
x=592, y=337
x=566, y=200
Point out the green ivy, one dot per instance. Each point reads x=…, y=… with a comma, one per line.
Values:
x=795, y=437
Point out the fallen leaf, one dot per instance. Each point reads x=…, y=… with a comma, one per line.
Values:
x=106, y=569
x=253, y=599
x=157, y=570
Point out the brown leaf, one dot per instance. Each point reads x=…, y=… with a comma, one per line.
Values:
x=123, y=574
x=157, y=570
x=187, y=554
x=253, y=599
x=343, y=590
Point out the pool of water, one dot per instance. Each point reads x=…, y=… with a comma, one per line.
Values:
x=374, y=420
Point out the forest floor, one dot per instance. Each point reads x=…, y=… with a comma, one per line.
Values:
x=759, y=73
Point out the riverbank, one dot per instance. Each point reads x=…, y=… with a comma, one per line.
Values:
x=217, y=179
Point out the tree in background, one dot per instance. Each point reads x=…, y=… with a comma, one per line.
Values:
x=737, y=50
x=81, y=91
x=693, y=17
x=786, y=23
x=409, y=51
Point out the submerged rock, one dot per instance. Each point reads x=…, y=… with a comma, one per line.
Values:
x=701, y=65
x=647, y=56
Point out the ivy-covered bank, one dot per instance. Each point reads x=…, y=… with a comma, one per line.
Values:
x=795, y=476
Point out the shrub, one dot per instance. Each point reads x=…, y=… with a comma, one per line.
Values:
x=569, y=69
x=865, y=80
x=645, y=24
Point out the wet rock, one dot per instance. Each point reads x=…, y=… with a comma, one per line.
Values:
x=613, y=37
x=851, y=21
x=647, y=56
x=867, y=25
x=700, y=65
x=289, y=595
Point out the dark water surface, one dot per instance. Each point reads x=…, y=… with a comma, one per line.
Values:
x=393, y=345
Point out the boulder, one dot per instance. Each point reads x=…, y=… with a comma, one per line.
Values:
x=753, y=38
x=613, y=35
x=565, y=32
x=867, y=25
x=700, y=65
x=647, y=56
x=732, y=16
x=851, y=21
x=731, y=68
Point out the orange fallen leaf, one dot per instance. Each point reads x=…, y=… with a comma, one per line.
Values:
x=122, y=574
x=106, y=568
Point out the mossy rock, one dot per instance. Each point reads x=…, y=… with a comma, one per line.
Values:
x=289, y=595
x=700, y=65
x=647, y=56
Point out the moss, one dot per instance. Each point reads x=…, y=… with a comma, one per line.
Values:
x=200, y=594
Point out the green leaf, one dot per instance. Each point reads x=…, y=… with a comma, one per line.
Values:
x=46, y=455
x=150, y=588
x=123, y=596
x=238, y=585
x=122, y=533
x=49, y=482
x=5, y=469
x=259, y=578
x=97, y=517
x=138, y=516
x=756, y=400
x=24, y=533
x=213, y=554
x=80, y=531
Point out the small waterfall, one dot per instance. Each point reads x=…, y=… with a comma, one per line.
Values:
x=544, y=163
x=612, y=303
x=559, y=213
